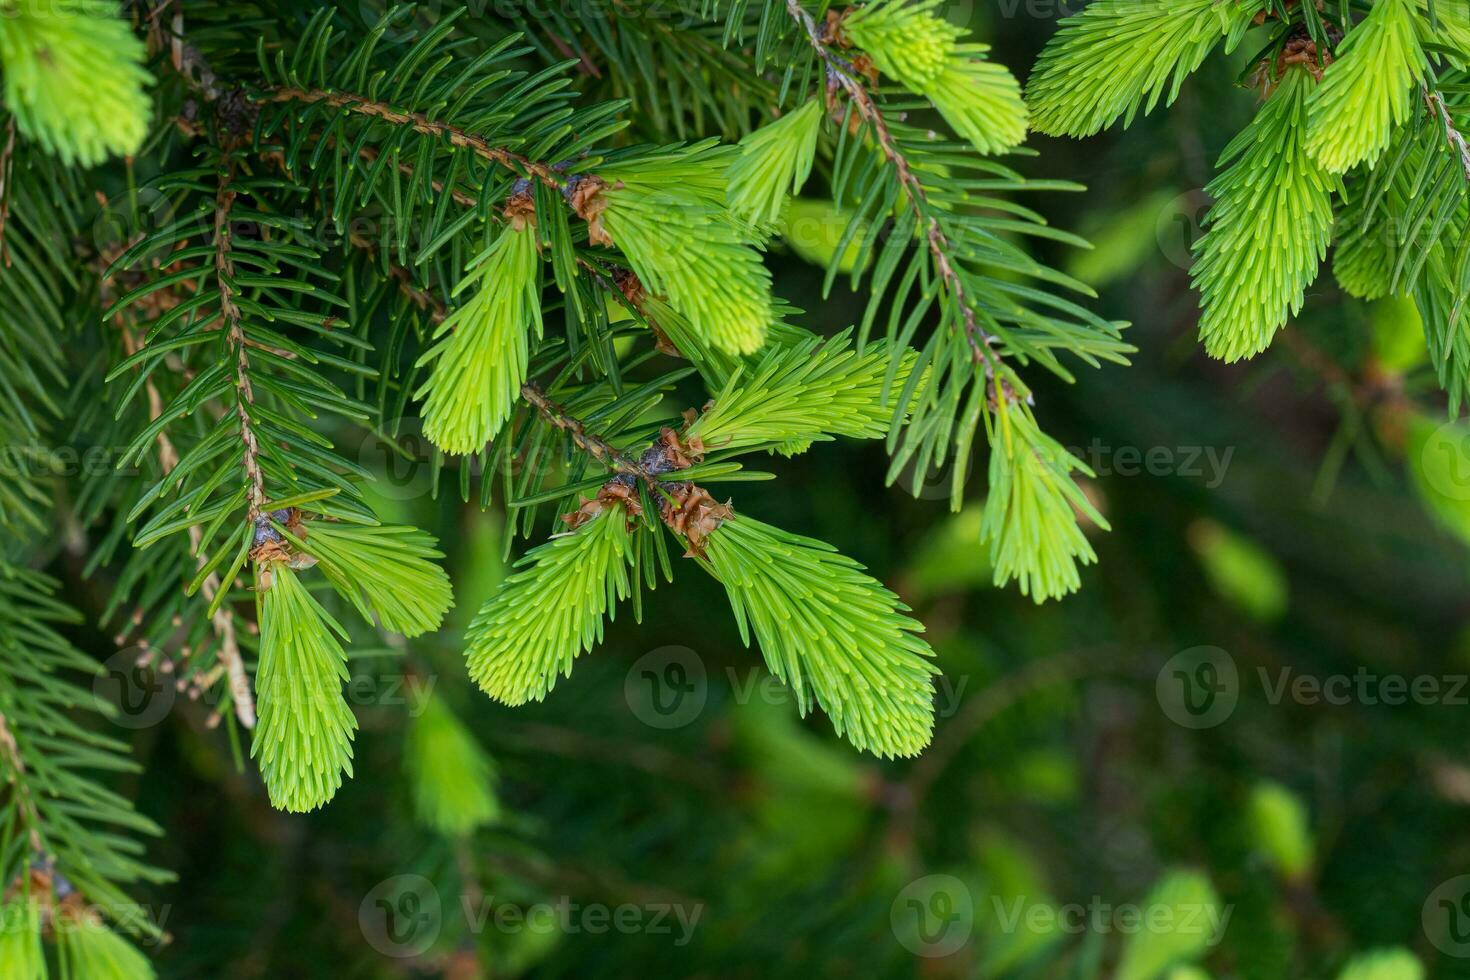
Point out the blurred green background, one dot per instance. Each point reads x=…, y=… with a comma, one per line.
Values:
x=1137, y=782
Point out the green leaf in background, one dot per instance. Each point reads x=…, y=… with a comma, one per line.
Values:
x=1383, y=964
x=1045, y=775
x=1398, y=334
x=1122, y=240
x=813, y=230
x=812, y=797
x=1437, y=457
x=1240, y=571
x=1187, y=973
x=1180, y=937
x=947, y=560
x=1279, y=829
x=1016, y=881
x=452, y=777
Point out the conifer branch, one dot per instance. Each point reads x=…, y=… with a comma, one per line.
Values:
x=594, y=445
x=224, y=273
x=842, y=73
x=421, y=123
x=369, y=155
x=1452, y=133
x=20, y=787
x=222, y=621
x=625, y=281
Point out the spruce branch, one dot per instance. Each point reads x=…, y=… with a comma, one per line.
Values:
x=592, y=444
x=20, y=787
x=54, y=815
x=911, y=43
x=1453, y=136
x=1117, y=57
x=551, y=609
x=841, y=73
x=831, y=632
x=74, y=78
x=222, y=620
x=224, y=273
x=1271, y=190
x=1367, y=88
x=420, y=123
x=304, y=739
x=453, y=777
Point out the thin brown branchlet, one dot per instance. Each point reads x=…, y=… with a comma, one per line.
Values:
x=846, y=75
x=421, y=123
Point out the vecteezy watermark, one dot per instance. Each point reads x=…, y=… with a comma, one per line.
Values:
x=933, y=916
x=402, y=465
x=145, y=687
x=403, y=916
x=1445, y=461
x=1039, y=9
x=1207, y=463
x=676, y=920
x=1020, y=914
x=1200, y=687
x=66, y=911
x=1180, y=224
x=1446, y=916
x=668, y=688
x=35, y=460
x=405, y=29
x=403, y=461
x=1364, y=687
x=143, y=694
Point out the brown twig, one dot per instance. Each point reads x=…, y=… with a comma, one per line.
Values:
x=222, y=622
x=1452, y=133
x=224, y=274
x=10, y=752
x=593, y=445
x=7, y=164
x=843, y=74
x=462, y=198
x=421, y=123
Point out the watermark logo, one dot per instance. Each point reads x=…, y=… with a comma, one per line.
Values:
x=1446, y=916
x=143, y=695
x=677, y=920
x=1020, y=914
x=123, y=219
x=1206, y=464
x=1198, y=687
x=400, y=463
x=935, y=483
x=1445, y=461
x=1180, y=224
x=667, y=688
x=401, y=916
x=933, y=916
